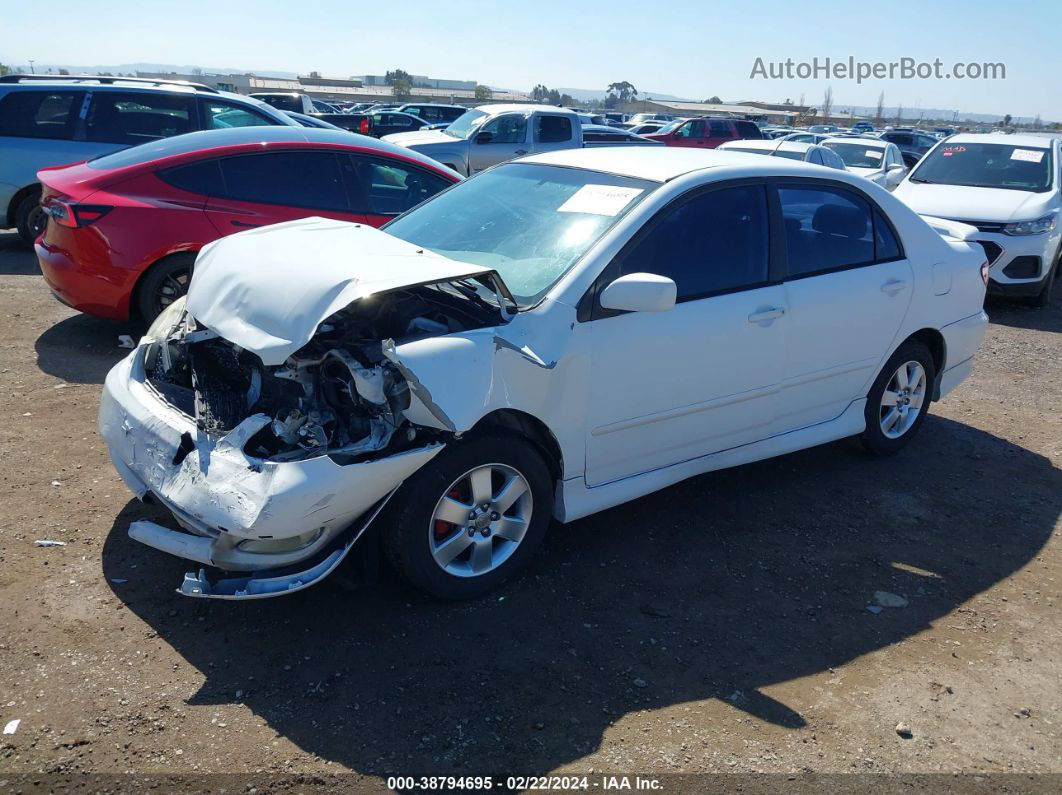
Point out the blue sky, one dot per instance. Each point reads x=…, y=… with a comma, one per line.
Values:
x=694, y=48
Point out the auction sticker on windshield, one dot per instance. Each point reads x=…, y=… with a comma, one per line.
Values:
x=874, y=153
x=1029, y=155
x=606, y=200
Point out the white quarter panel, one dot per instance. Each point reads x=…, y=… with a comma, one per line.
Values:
x=840, y=327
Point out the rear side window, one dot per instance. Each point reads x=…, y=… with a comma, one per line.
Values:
x=121, y=117
x=291, y=179
x=553, y=129
x=203, y=178
x=748, y=130
x=827, y=230
x=219, y=115
x=717, y=128
x=715, y=242
x=39, y=114
x=386, y=187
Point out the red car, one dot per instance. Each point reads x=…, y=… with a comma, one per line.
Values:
x=705, y=133
x=123, y=229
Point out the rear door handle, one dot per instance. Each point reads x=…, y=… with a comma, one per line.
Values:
x=766, y=315
x=893, y=286
x=243, y=223
x=520, y=152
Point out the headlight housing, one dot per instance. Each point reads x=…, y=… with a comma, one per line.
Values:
x=169, y=317
x=1037, y=227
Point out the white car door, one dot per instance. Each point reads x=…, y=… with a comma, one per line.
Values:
x=502, y=138
x=671, y=386
x=848, y=286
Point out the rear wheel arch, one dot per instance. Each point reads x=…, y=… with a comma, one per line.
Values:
x=20, y=194
x=934, y=340
x=531, y=428
x=135, y=295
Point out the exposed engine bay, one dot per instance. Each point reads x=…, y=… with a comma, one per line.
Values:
x=342, y=394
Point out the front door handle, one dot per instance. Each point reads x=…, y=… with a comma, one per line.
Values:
x=766, y=315
x=893, y=286
x=520, y=152
x=243, y=223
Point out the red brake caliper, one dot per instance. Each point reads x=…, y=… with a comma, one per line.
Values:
x=443, y=528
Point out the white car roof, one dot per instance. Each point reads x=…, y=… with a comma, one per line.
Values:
x=769, y=146
x=513, y=108
x=869, y=143
x=661, y=164
x=1041, y=141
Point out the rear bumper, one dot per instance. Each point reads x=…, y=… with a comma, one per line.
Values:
x=92, y=293
x=961, y=341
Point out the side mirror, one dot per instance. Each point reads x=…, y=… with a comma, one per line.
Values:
x=484, y=137
x=894, y=174
x=640, y=292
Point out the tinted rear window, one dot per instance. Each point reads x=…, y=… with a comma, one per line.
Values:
x=39, y=114
x=203, y=178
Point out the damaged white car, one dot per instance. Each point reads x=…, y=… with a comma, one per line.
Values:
x=551, y=338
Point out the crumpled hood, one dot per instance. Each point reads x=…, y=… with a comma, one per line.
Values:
x=972, y=204
x=420, y=138
x=267, y=290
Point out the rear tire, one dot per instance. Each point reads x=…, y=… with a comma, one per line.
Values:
x=30, y=218
x=165, y=282
x=491, y=539
x=899, y=399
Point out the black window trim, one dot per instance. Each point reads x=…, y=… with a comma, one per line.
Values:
x=589, y=307
x=358, y=190
x=774, y=183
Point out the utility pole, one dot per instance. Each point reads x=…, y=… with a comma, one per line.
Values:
x=31, y=67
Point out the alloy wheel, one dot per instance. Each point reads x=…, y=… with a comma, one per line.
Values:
x=480, y=520
x=902, y=400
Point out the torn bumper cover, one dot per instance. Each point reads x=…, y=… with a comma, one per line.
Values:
x=244, y=513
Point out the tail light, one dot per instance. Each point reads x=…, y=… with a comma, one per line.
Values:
x=984, y=272
x=74, y=215
x=364, y=126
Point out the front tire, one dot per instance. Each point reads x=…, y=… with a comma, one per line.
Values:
x=899, y=399
x=30, y=218
x=1043, y=298
x=472, y=518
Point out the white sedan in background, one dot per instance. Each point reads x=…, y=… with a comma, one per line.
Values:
x=553, y=337
x=876, y=160
x=791, y=150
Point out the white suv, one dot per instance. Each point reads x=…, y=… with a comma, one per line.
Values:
x=49, y=120
x=1008, y=187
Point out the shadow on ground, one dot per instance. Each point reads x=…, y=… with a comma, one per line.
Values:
x=715, y=588
x=81, y=349
x=1012, y=312
x=16, y=258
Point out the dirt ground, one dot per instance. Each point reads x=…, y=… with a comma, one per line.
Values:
x=717, y=626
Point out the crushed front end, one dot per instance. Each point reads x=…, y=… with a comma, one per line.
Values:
x=276, y=469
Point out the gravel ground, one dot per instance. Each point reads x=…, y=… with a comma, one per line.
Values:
x=720, y=625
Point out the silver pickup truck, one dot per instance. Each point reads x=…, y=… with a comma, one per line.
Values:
x=492, y=134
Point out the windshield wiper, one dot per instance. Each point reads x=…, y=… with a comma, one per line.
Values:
x=922, y=180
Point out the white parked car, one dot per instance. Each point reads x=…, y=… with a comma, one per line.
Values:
x=792, y=150
x=556, y=336
x=873, y=159
x=1008, y=187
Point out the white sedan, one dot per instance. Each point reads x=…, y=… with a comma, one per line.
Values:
x=871, y=158
x=551, y=338
x=792, y=150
